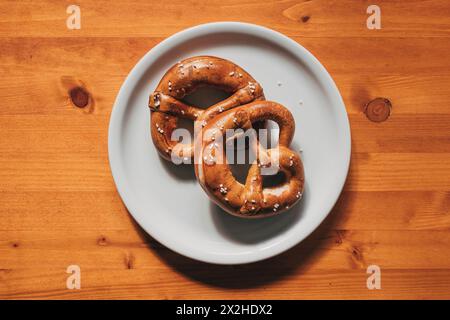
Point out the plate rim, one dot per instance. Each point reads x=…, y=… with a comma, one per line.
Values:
x=119, y=108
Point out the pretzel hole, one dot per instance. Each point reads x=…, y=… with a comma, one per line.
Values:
x=269, y=137
x=205, y=97
x=188, y=125
x=274, y=180
x=240, y=172
x=239, y=160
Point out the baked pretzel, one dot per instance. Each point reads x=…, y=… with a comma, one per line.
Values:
x=184, y=78
x=251, y=200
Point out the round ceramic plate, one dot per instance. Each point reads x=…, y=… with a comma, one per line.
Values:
x=167, y=201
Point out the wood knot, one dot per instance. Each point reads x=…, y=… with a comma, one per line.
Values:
x=378, y=109
x=339, y=238
x=79, y=97
x=357, y=253
x=305, y=19
x=102, y=241
x=129, y=260
x=76, y=94
x=4, y=270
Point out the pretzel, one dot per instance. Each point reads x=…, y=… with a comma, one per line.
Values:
x=251, y=200
x=184, y=78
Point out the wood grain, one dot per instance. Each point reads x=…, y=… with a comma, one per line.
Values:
x=59, y=205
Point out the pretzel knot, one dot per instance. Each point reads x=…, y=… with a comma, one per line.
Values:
x=184, y=78
x=251, y=199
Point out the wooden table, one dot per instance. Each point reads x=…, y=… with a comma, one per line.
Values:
x=59, y=205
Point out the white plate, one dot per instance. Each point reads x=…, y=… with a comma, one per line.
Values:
x=167, y=201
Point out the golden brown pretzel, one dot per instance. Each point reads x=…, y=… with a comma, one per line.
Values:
x=252, y=199
x=184, y=78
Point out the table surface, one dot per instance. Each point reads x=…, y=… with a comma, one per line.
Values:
x=59, y=205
